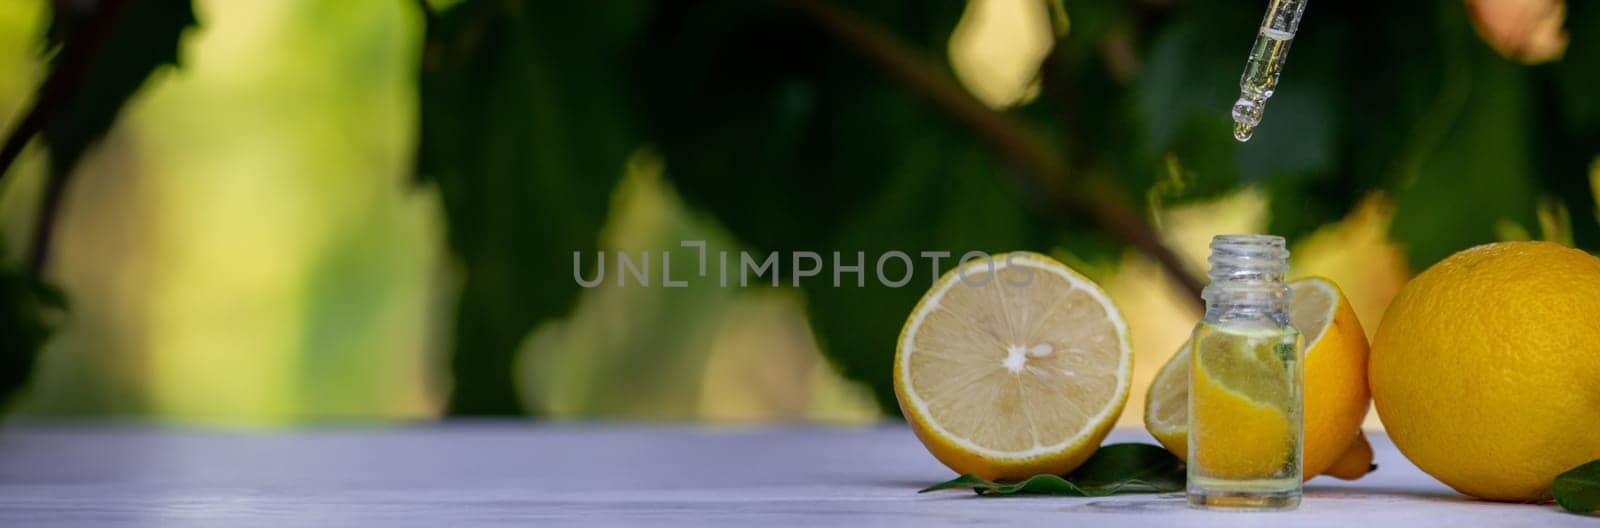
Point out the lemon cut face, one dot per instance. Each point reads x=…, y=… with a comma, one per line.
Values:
x=1013, y=366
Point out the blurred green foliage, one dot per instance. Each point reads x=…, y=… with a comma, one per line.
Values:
x=795, y=144
x=244, y=245
x=794, y=141
x=145, y=38
x=80, y=103
x=25, y=307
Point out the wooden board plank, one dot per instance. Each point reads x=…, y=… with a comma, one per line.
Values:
x=456, y=473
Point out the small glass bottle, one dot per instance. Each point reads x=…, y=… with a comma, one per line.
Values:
x=1245, y=382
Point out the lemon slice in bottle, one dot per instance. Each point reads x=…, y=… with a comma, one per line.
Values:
x=1336, y=395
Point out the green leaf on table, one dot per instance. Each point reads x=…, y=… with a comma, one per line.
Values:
x=146, y=38
x=1114, y=468
x=1578, y=490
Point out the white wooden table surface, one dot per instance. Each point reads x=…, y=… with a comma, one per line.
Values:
x=467, y=473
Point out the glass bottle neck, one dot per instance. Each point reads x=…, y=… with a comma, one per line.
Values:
x=1247, y=286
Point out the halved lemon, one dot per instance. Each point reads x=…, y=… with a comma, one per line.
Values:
x=1336, y=395
x=1242, y=427
x=1013, y=366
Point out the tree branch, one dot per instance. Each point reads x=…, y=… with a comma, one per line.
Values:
x=65, y=79
x=44, y=224
x=1040, y=167
x=55, y=94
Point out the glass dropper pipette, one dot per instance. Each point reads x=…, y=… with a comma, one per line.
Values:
x=1266, y=60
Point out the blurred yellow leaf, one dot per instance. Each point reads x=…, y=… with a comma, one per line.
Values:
x=997, y=47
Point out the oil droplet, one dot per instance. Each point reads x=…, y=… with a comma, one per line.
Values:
x=1242, y=132
x=1246, y=115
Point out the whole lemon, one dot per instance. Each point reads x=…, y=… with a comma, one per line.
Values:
x=1486, y=368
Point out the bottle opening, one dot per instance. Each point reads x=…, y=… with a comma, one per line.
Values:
x=1247, y=275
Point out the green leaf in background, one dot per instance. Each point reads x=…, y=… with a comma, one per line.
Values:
x=944, y=195
x=1190, y=69
x=1187, y=85
x=795, y=143
x=1567, y=125
x=1185, y=95
x=1465, y=175
x=1114, y=468
x=1295, y=153
x=26, y=306
x=145, y=39
x=763, y=120
x=526, y=130
x=1578, y=71
x=1084, y=102
x=792, y=141
x=1578, y=490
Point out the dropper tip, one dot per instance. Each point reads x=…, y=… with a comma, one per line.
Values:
x=1246, y=114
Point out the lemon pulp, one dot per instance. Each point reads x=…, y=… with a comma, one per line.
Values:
x=1020, y=373
x=1335, y=393
x=1245, y=408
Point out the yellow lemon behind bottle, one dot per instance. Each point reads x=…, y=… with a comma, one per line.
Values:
x=1336, y=394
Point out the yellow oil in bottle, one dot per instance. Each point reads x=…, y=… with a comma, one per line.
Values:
x=1245, y=382
x=1245, y=417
